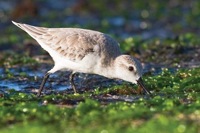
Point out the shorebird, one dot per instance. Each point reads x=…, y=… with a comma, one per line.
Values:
x=85, y=51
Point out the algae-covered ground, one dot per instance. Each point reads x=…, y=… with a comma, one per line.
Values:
x=163, y=35
x=174, y=107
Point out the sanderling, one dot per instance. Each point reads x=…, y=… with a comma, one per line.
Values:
x=85, y=51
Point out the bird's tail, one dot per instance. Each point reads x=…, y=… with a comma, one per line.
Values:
x=33, y=31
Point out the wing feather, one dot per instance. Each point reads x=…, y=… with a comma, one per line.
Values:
x=73, y=43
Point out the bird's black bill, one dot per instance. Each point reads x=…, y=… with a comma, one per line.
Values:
x=140, y=83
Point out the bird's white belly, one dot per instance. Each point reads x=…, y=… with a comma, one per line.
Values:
x=88, y=64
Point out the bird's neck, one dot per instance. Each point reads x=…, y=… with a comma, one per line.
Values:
x=109, y=71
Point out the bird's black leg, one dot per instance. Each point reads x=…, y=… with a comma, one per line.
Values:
x=71, y=79
x=46, y=76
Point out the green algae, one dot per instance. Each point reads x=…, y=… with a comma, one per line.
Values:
x=174, y=107
x=10, y=59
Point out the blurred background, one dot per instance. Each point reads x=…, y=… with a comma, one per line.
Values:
x=154, y=31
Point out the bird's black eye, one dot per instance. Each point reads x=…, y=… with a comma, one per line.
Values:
x=130, y=68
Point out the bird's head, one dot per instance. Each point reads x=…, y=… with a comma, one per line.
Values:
x=129, y=69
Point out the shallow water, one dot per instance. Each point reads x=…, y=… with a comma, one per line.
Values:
x=25, y=79
x=7, y=84
x=30, y=80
